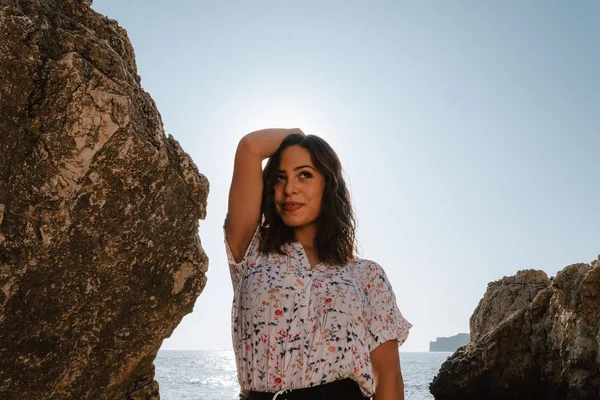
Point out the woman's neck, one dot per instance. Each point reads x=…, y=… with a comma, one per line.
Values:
x=306, y=235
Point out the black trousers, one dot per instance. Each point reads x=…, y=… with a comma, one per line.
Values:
x=346, y=389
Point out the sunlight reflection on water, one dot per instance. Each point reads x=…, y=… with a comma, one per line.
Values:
x=211, y=374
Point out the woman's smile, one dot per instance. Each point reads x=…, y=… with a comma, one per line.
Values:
x=291, y=206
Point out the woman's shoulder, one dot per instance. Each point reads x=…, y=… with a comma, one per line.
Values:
x=371, y=276
x=366, y=267
x=364, y=263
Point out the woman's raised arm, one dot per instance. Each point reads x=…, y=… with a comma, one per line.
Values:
x=245, y=193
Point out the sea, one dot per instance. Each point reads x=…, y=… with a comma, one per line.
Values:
x=211, y=375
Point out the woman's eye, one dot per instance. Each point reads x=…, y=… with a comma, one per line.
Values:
x=303, y=174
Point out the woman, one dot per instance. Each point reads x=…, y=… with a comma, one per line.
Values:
x=310, y=320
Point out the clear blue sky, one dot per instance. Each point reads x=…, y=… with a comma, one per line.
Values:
x=468, y=130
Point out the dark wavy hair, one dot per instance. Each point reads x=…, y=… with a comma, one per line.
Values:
x=335, y=240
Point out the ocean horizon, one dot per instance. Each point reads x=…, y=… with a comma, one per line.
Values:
x=211, y=374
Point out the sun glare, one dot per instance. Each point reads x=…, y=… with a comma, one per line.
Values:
x=282, y=115
x=285, y=104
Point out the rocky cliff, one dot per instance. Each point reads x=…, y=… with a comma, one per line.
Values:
x=449, y=343
x=99, y=250
x=531, y=338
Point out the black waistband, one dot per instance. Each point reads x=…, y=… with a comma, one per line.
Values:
x=342, y=389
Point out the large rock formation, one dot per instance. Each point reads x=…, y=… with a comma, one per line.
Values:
x=531, y=338
x=99, y=250
x=449, y=343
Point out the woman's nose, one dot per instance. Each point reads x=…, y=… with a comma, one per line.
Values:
x=290, y=187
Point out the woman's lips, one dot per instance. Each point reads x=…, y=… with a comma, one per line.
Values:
x=292, y=207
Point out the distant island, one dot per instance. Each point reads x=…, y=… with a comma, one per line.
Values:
x=449, y=343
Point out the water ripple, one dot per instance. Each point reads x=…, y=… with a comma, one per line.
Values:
x=211, y=375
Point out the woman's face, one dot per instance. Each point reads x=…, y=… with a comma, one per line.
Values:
x=299, y=188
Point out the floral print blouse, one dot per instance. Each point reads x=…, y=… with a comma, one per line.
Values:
x=294, y=326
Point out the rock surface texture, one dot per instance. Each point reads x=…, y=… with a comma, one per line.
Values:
x=100, y=256
x=531, y=338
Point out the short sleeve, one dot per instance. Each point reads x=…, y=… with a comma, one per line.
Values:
x=249, y=259
x=383, y=317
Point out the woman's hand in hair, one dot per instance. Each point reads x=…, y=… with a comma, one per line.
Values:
x=265, y=142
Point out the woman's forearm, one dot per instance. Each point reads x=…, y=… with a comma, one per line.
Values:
x=265, y=142
x=389, y=387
